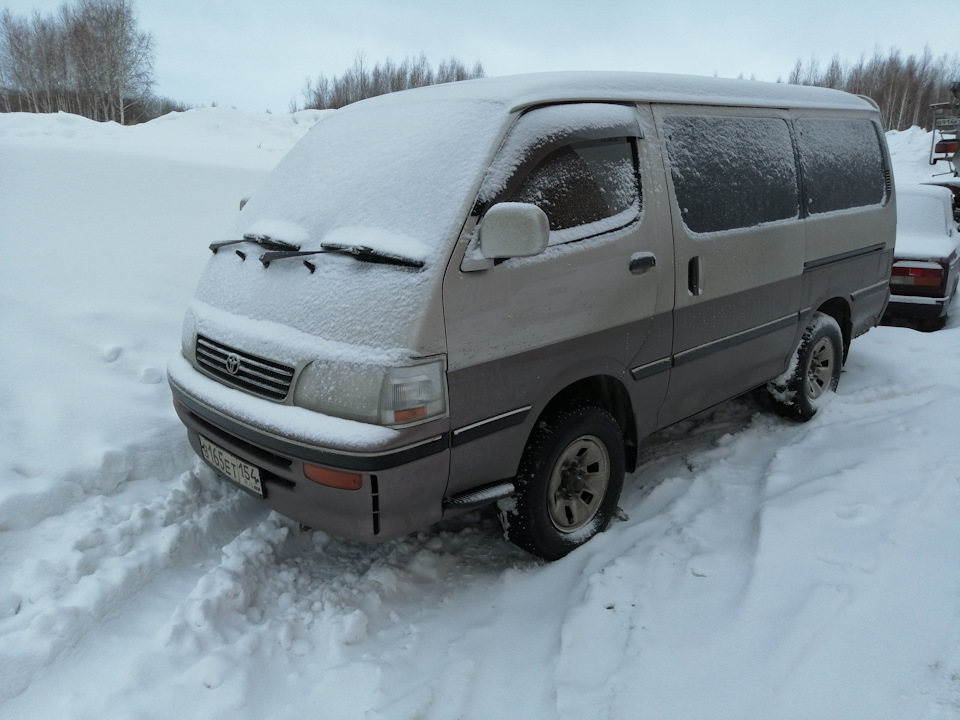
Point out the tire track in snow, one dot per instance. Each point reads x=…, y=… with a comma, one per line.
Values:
x=97, y=556
x=306, y=614
x=690, y=585
x=535, y=650
x=680, y=567
x=709, y=580
x=845, y=519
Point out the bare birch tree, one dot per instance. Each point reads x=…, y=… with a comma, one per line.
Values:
x=904, y=88
x=90, y=58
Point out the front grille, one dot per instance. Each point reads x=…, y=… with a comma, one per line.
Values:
x=255, y=375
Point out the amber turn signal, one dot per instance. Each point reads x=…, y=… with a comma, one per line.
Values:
x=333, y=478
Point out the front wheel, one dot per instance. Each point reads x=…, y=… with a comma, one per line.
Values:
x=814, y=370
x=569, y=482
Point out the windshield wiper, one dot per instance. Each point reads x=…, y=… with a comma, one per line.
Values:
x=360, y=252
x=264, y=241
x=368, y=254
x=269, y=257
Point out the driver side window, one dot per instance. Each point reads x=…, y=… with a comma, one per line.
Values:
x=585, y=188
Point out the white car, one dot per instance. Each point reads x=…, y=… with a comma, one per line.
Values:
x=926, y=258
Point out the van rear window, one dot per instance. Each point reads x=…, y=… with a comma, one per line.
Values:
x=842, y=163
x=731, y=172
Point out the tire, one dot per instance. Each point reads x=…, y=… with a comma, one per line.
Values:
x=569, y=482
x=814, y=370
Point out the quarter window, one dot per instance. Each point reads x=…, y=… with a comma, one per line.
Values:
x=842, y=163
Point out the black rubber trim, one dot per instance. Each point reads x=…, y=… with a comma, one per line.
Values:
x=358, y=462
x=734, y=340
x=864, y=292
x=651, y=369
x=488, y=427
x=813, y=264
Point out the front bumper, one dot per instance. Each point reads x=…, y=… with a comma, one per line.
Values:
x=403, y=481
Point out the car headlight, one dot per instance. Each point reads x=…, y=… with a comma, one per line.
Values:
x=373, y=393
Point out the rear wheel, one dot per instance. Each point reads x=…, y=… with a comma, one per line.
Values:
x=814, y=370
x=569, y=482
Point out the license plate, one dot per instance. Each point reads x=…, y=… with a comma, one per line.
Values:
x=229, y=465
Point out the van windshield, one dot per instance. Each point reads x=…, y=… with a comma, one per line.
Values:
x=394, y=177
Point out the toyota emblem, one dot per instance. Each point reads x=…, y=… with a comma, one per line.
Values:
x=232, y=364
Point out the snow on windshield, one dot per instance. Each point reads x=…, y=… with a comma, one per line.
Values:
x=380, y=170
x=396, y=176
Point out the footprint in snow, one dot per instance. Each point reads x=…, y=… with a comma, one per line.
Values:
x=151, y=376
x=110, y=353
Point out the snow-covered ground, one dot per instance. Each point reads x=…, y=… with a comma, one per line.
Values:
x=766, y=570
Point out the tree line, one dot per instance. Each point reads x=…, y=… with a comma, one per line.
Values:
x=364, y=81
x=89, y=58
x=904, y=88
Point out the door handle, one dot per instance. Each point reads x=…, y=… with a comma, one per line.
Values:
x=693, y=276
x=641, y=262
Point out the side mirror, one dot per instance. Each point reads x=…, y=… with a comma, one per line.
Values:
x=513, y=230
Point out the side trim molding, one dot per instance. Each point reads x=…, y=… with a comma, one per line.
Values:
x=477, y=430
x=820, y=262
x=651, y=369
x=733, y=340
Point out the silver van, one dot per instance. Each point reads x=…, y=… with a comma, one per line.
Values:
x=491, y=291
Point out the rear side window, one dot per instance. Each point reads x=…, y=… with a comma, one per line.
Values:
x=590, y=186
x=842, y=163
x=731, y=172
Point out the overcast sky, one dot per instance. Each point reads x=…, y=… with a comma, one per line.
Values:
x=256, y=54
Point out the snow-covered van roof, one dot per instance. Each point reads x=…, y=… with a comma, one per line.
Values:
x=519, y=91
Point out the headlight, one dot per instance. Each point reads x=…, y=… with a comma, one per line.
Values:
x=372, y=393
x=412, y=393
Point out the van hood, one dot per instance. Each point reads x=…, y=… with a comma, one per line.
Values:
x=378, y=192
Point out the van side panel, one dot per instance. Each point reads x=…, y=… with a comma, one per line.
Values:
x=738, y=263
